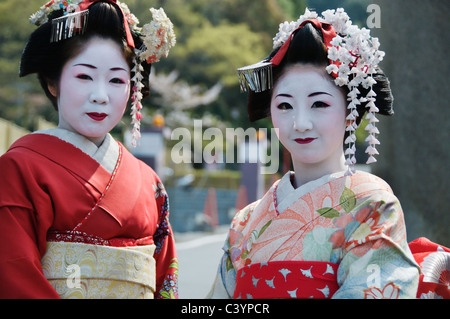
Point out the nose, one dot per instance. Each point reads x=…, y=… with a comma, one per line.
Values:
x=99, y=95
x=302, y=121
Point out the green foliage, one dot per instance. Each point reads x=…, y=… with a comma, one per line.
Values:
x=214, y=38
x=213, y=53
x=21, y=100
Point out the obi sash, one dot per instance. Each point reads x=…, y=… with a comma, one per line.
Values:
x=287, y=279
x=79, y=270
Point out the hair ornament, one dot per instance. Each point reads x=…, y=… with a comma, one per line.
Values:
x=69, y=25
x=256, y=77
x=353, y=56
x=136, y=97
x=41, y=16
x=158, y=37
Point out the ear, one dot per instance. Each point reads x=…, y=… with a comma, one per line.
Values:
x=52, y=89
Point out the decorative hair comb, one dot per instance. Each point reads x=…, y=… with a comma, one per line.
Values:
x=69, y=25
x=354, y=57
x=256, y=77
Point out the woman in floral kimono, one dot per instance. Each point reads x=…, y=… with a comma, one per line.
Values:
x=80, y=217
x=324, y=230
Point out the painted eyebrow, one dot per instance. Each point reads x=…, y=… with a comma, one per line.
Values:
x=284, y=95
x=93, y=67
x=319, y=93
x=310, y=95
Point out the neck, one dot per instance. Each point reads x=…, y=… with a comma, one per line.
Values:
x=305, y=173
x=98, y=141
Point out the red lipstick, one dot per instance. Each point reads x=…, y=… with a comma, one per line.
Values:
x=97, y=116
x=304, y=140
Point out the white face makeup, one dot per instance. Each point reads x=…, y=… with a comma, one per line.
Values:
x=310, y=112
x=94, y=90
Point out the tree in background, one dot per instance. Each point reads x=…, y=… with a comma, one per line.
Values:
x=21, y=100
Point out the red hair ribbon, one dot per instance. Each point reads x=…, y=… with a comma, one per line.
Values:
x=87, y=3
x=328, y=35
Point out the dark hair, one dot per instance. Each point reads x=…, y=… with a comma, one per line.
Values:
x=48, y=58
x=307, y=47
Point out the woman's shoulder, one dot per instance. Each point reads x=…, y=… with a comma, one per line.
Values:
x=19, y=150
x=365, y=181
x=266, y=203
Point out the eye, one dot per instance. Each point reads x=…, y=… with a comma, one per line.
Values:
x=319, y=104
x=284, y=106
x=117, y=81
x=83, y=77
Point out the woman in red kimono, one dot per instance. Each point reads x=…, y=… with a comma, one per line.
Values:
x=80, y=217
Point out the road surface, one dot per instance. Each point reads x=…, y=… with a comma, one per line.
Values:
x=198, y=256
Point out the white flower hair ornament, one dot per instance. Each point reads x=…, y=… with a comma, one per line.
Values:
x=158, y=38
x=353, y=56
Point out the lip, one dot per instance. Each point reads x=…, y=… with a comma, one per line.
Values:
x=97, y=116
x=304, y=140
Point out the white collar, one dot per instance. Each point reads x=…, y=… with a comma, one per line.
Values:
x=106, y=154
x=286, y=194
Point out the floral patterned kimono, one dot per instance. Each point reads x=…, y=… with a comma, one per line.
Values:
x=335, y=237
x=81, y=221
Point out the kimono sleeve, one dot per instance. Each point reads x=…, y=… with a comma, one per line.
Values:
x=224, y=284
x=225, y=281
x=22, y=236
x=21, y=274
x=165, y=253
x=377, y=262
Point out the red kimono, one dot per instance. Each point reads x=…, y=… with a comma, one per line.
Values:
x=50, y=191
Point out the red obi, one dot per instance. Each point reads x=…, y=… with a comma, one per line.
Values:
x=287, y=279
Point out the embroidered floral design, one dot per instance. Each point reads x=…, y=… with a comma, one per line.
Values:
x=357, y=229
x=389, y=291
x=163, y=230
x=159, y=190
x=169, y=288
x=361, y=219
x=244, y=216
x=247, y=243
